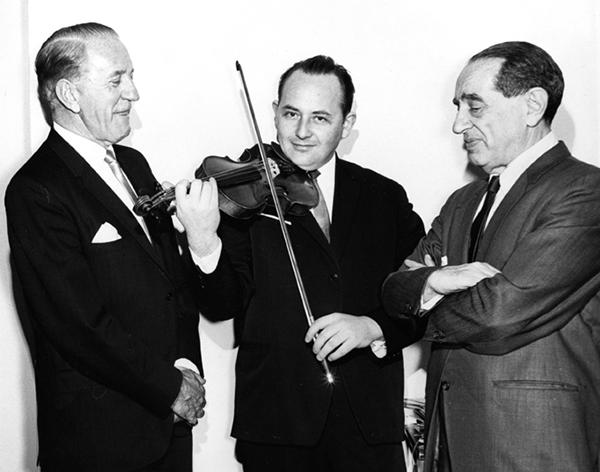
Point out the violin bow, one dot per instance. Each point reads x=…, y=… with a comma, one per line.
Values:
x=280, y=216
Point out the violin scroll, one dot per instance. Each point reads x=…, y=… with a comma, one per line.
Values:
x=159, y=202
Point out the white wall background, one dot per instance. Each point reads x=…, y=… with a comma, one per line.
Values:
x=404, y=58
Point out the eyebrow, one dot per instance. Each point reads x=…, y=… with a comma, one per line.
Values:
x=468, y=96
x=120, y=72
x=316, y=112
x=322, y=112
x=471, y=96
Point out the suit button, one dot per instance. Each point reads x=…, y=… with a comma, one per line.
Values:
x=445, y=385
x=408, y=308
x=334, y=276
x=438, y=334
x=169, y=296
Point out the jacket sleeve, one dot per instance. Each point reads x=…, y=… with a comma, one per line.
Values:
x=401, y=291
x=227, y=290
x=401, y=332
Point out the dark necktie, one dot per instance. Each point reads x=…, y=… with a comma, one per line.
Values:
x=478, y=225
x=320, y=212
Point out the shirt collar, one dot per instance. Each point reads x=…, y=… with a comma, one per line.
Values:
x=520, y=164
x=92, y=152
x=327, y=172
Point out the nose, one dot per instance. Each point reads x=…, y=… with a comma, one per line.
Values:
x=462, y=121
x=303, y=130
x=130, y=91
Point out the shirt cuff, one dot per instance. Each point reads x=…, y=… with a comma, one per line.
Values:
x=429, y=304
x=208, y=264
x=183, y=363
x=379, y=348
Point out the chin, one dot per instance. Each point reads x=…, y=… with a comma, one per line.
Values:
x=300, y=160
x=477, y=159
x=124, y=133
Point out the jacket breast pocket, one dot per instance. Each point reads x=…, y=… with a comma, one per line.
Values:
x=547, y=400
x=107, y=247
x=535, y=385
x=110, y=257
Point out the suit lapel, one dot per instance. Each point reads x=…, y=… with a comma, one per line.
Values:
x=465, y=214
x=346, y=200
x=93, y=184
x=308, y=224
x=523, y=184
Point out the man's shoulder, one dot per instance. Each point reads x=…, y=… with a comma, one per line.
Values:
x=558, y=168
x=368, y=176
x=41, y=172
x=40, y=166
x=579, y=168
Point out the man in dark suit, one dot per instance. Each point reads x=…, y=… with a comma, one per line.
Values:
x=106, y=299
x=287, y=416
x=514, y=374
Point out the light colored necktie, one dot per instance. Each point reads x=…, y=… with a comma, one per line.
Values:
x=320, y=212
x=118, y=172
x=120, y=175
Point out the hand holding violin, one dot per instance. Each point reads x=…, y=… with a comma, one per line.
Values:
x=197, y=208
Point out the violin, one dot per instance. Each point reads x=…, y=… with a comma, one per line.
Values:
x=243, y=186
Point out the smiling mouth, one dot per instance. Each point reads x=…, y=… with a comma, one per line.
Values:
x=302, y=146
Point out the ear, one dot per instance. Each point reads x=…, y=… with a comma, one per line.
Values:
x=68, y=95
x=348, y=124
x=537, y=102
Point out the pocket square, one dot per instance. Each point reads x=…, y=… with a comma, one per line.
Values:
x=106, y=234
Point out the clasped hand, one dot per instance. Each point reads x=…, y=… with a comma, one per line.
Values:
x=336, y=334
x=190, y=402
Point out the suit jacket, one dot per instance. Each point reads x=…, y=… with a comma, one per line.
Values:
x=515, y=361
x=105, y=321
x=282, y=396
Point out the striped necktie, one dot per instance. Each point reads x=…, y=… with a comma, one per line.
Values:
x=111, y=160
